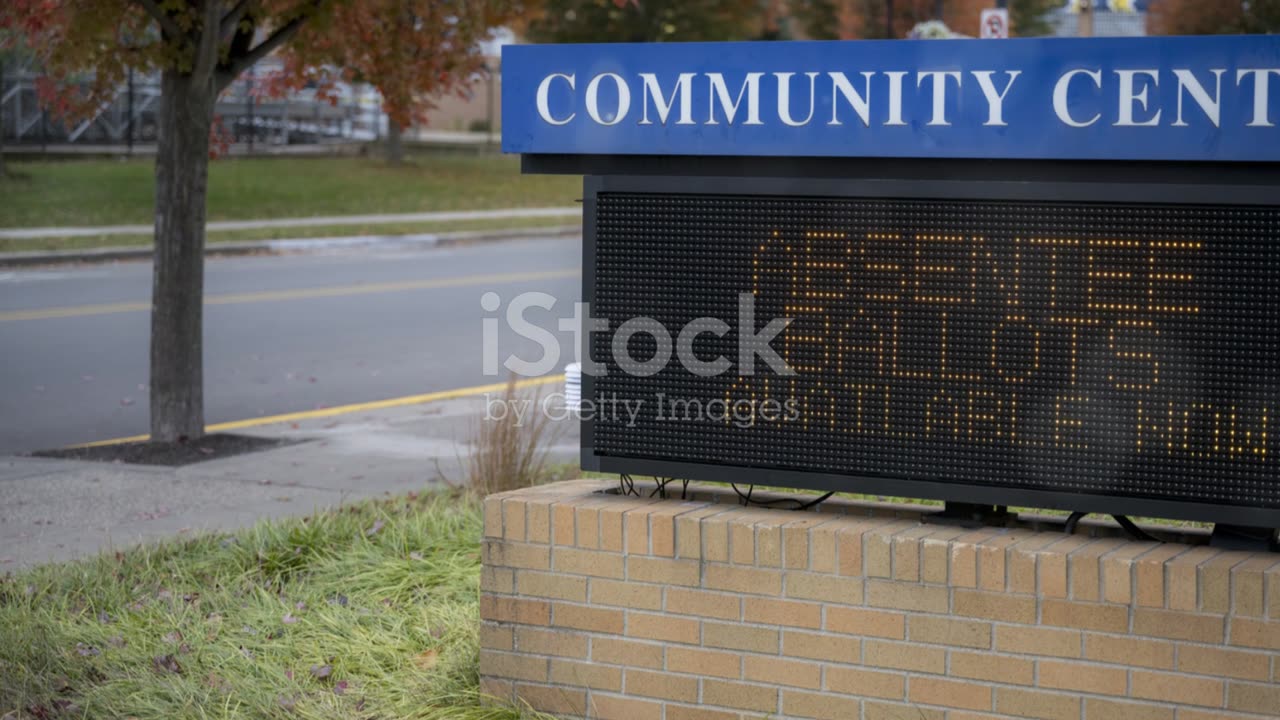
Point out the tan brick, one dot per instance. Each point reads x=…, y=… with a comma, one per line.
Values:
x=1036, y=704
x=903, y=656
x=1248, y=590
x=556, y=700
x=906, y=553
x=1149, y=569
x=1129, y=651
x=949, y=631
x=626, y=594
x=1177, y=688
x=877, y=551
x=1086, y=616
x=1214, y=577
x=689, y=531
x=1095, y=679
x=724, y=606
x=715, y=541
x=713, y=663
x=822, y=548
x=636, y=524
x=949, y=693
x=626, y=652
x=663, y=571
x=1099, y=709
x=964, y=557
x=589, y=562
x=795, y=542
x=769, y=542
x=615, y=707
x=496, y=637
x=497, y=580
x=1187, y=713
x=493, y=516
x=875, y=710
x=993, y=668
x=538, y=521
x=582, y=617
x=742, y=536
x=1252, y=697
x=739, y=637
x=724, y=693
x=587, y=523
x=513, y=610
x=828, y=588
x=562, y=523
x=992, y=565
x=513, y=665
x=1086, y=571
x=1273, y=592
x=1246, y=632
x=1051, y=565
x=903, y=596
x=495, y=688
x=1178, y=625
x=1000, y=607
x=679, y=712
x=849, y=550
x=665, y=686
x=587, y=675
x=1118, y=571
x=534, y=641
x=777, y=671
x=552, y=585
x=1038, y=641
x=823, y=707
x=743, y=580
x=934, y=551
x=517, y=555
x=1022, y=559
x=662, y=627
x=821, y=646
x=867, y=683
x=1180, y=578
x=612, y=523
x=789, y=613
x=1203, y=660
x=871, y=623
x=513, y=519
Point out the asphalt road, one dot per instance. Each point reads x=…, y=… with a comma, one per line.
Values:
x=282, y=334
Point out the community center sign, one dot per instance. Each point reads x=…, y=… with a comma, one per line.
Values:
x=883, y=266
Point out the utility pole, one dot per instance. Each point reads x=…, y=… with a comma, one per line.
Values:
x=1084, y=27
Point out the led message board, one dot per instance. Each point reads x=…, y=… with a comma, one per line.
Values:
x=1027, y=330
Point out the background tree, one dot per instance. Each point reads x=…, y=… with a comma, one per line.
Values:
x=867, y=19
x=572, y=21
x=1195, y=17
x=1030, y=18
x=199, y=47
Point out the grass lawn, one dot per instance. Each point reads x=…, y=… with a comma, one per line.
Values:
x=119, y=192
x=365, y=611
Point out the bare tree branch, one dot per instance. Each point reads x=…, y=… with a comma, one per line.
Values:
x=236, y=65
x=167, y=25
x=232, y=20
x=207, y=48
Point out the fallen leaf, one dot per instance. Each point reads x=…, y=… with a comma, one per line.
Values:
x=86, y=650
x=173, y=637
x=288, y=619
x=166, y=663
x=321, y=672
x=377, y=525
x=427, y=659
x=340, y=687
x=415, y=555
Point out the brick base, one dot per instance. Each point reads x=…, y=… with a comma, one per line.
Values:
x=602, y=606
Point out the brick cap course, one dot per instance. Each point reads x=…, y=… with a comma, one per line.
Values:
x=596, y=605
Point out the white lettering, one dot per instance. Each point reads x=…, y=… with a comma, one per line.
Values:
x=1060, y=97
x=750, y=86
x=995, y=102
x=544, y=89
x=1261, y=96
x=784, y=98
x=1128, y=97
x=1210, y=105
x=861, y=103
x=939, y=92
x=895, y=98
x=682, y=90
x=624, y=99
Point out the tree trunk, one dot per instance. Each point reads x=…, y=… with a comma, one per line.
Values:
x=182, y=170
x=395, y=148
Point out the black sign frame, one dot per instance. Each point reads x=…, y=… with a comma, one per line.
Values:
x=1155, y=183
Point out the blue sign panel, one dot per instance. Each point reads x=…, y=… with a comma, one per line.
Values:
x=1177, y=98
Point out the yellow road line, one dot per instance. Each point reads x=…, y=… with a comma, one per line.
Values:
x=298, y=294
x=348, y=409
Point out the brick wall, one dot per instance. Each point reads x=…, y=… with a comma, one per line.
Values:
x=602, y=606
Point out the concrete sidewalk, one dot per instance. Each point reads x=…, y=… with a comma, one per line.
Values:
x=61, y=509
x=36, y=233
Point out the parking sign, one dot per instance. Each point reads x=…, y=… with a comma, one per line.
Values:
x=995, y=23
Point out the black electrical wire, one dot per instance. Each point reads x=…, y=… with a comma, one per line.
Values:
x=746, y=499
x=1072, y=521
x=1130, y=528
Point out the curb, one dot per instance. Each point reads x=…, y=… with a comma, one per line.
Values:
x=298, y=245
